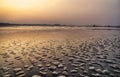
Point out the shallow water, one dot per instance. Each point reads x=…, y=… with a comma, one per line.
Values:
x=46, y=33
x=81, y=50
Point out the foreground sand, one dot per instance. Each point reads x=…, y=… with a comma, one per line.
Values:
x=95, y=56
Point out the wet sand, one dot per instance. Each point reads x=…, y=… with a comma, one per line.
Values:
x=59, y=52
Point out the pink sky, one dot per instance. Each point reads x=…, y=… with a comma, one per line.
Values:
x=78, y=12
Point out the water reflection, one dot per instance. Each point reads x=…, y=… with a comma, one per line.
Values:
x=59, y=52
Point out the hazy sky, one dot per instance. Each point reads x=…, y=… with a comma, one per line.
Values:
x=78, y=12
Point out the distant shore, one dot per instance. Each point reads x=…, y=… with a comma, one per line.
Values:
x=60, y=25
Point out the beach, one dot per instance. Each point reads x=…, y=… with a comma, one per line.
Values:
x=38, y=51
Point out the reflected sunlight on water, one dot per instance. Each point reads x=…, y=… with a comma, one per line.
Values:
x=47, y=32
x=53, y=51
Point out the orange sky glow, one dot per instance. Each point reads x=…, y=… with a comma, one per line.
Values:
x=78, y=12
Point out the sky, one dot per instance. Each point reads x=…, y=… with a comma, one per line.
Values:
x=73, y=12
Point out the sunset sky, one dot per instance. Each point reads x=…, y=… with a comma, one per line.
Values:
x=78, y=12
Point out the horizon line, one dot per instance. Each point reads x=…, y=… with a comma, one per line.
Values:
x=57, y=24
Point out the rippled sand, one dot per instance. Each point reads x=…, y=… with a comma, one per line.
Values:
x=59, y=52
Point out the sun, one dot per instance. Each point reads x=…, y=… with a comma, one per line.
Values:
x=22, y=4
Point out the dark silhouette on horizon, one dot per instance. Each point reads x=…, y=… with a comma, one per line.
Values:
x=13, y=24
